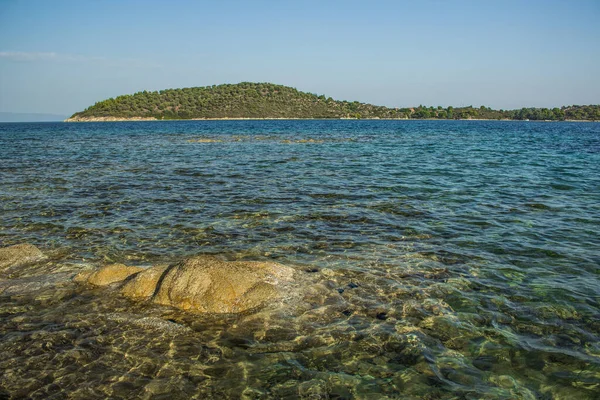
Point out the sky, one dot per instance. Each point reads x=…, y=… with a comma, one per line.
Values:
x=62, y=56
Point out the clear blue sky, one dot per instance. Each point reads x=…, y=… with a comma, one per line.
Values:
x=62, y=56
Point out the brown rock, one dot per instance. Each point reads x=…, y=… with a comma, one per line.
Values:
x=207, y=284
x=19, y=254
x=143, y=284
x=202, y=284
x=83, y=276
x=111, y=273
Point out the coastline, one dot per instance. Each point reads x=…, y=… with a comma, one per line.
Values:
x=108, y=119
x=146, y=119
x=131, y=119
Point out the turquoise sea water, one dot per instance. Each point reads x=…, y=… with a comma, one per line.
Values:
x=456, y=259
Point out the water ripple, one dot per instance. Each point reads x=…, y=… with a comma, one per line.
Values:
x=452, y=259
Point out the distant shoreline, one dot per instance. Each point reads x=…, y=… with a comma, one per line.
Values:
x=146, y=119
x=268, y=101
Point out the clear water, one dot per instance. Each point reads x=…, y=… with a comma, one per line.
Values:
x=436, y=259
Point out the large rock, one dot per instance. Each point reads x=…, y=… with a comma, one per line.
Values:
x=108, y=274
x=19, y=254
x=143, y=284
x=202, y=284
x=207, y=284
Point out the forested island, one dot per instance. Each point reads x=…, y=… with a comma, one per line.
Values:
x=248, y=100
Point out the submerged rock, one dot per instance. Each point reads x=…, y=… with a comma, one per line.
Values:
x=108, y=274
x=19, y=254
x=205, y=140
x=28, y=285
x=153, y=323
x=207, y=284
x=202, y=284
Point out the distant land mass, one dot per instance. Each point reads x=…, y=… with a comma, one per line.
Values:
x=29, y=117
x=248, y=100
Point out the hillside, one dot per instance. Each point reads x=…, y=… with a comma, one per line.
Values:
x=243, y=100
x=266, y=100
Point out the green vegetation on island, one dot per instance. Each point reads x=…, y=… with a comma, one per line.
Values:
x=583, y=113
x=266, y=100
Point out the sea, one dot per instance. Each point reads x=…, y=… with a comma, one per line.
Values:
x=434, y=259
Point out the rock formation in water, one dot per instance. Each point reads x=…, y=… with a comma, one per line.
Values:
x=143, y=285
x=19, y=254
x=107, y=275
x=201, y=284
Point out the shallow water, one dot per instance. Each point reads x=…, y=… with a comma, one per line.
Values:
x=435, y=259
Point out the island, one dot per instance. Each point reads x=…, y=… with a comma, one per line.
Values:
x=249, y=100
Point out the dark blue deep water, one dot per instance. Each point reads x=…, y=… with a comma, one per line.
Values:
x=456, y=259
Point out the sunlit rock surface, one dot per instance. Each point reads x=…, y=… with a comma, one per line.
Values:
x=108, y=274
x=202, y=284
x=143, y=284
x=207, y=284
